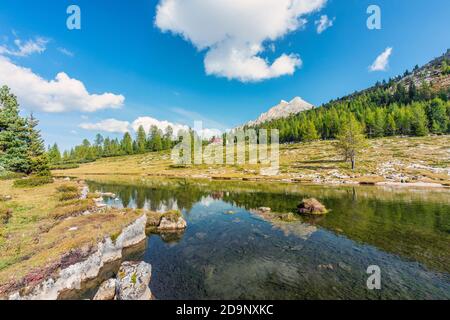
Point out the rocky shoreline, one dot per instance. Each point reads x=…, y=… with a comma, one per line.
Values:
x=86, y=265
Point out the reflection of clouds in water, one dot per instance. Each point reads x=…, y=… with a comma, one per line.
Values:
x=162, y=207
x=302, y=230
x=296, y=228
x=207, y=201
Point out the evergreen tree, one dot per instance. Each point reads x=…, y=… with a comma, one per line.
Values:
x=419, y=121
x=14, y=135
x=141, y=140
x=127, y=144
x=351, y=140
x=437, y=116
x=39, y=163
x=54, y=154
x=310, y=132
x=167, y=139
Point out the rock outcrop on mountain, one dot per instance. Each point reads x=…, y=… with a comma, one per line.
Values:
x=283, y=110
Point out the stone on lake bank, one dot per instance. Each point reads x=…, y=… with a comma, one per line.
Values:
x=312, y=206
x=167, y=224
x=133, y=281
x=107, y=290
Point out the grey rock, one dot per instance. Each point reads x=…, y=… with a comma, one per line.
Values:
x=107, y=290
x=133, y=280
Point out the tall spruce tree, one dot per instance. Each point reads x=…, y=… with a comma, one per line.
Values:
x=14, y=135
x=141, y=140
x=38, y=158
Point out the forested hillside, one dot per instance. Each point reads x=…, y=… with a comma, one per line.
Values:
x=413, y=104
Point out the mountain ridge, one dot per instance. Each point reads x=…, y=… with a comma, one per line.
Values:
x=282, y=110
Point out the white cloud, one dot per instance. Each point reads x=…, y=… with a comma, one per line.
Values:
x=233, y=32
x=108, y=125
x=24, y=49
x=57, y=95
x=118, y=126
x=381, y=63
x=66, y=52
x=324, y=23
x=147, y=122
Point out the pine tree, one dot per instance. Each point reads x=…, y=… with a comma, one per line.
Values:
x=14, y=135
x=167, y=139
x=36, y=149
x=437, y=116
x=351, y=140
x=141, y=140
x=54, y=154
x=310, y=132
x=127, y=144
x=419, y=121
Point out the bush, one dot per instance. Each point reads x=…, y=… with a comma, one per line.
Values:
x=173, y=215
x=73, y=208
x=67, y=188
x=64, y=166
x=7, y=175
x=32, y=182
x=65, y=196
x=5, y=215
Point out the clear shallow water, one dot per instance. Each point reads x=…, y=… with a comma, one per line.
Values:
x=230, y=251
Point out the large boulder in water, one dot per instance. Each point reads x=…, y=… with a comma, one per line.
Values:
x=312, y=206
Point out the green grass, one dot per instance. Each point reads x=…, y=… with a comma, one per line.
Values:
x=69, y=195
x=32, y=182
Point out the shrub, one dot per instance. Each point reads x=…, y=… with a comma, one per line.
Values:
x=173, y=215
x=34, y=181
x=67, y=188
x=5, y=215
x=64, y=166
x=65, y=196
x=7, y=175
x=73, y=208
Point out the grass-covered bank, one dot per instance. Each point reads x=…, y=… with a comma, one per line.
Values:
x=395, y=160
x=38, y=233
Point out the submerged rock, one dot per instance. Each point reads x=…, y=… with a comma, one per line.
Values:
x=107, y=290
x=312, y=206
x=133, y=281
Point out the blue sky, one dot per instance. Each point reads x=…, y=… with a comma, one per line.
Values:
x=160, y=69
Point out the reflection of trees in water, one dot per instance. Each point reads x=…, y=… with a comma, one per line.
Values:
x=405, y=224
x=182, y=198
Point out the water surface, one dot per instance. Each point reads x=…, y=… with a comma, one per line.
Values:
x=232, y=251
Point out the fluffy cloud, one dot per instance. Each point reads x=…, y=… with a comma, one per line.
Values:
x=24, y=49
x=108, y=125
x=324, y=23
x=233, y=32
x=58, y=95
x=147, y=122
x=382, y=61
x=118, y=126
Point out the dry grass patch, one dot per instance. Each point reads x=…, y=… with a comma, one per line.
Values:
x=32, y=238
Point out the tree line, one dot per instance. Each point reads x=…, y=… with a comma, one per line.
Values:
x=385, y=110
x=103, y=147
